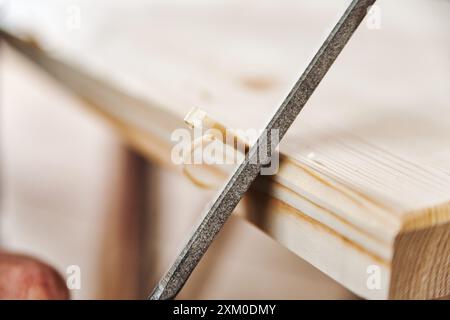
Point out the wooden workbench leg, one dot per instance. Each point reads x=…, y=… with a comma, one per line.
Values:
x=124, y=262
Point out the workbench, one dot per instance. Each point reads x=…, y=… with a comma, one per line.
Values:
x=363, y=188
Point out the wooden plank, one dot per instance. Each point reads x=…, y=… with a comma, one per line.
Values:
x=240, y=247
x=368, y=185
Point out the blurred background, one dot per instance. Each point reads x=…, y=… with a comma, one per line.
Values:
x=71, y=188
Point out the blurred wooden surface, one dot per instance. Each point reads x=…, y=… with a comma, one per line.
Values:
x=366, y=180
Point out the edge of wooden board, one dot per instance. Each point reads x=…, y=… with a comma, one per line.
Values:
x=342, y=241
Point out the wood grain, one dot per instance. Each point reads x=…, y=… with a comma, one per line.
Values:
x=365, y=174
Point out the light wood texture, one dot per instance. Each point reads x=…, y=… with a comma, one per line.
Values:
x=365, y=177
x=65, y=217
